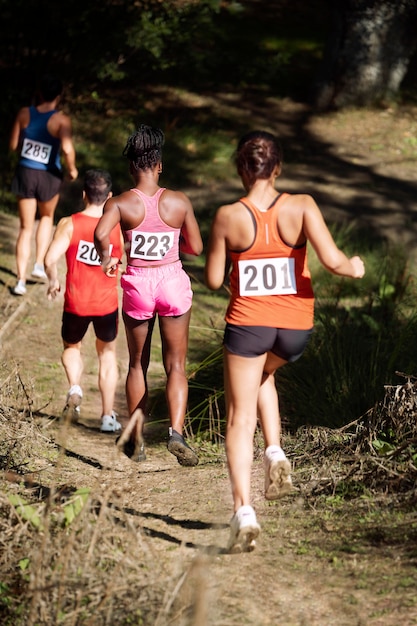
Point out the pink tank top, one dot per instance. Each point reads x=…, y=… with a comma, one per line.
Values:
x=153, y=242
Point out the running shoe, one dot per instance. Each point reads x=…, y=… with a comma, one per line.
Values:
x=109, y=423
x=278, y=481
x=177, y=446
x=71, y=411
x=244, y=530
x=19, y=289
x=134, y=448
x=39, y=272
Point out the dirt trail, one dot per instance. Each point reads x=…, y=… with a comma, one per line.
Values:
x=299, y=575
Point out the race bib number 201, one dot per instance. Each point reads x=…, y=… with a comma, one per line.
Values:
x=150, y=246
x=267, y=277
x=36, y=151
x=86, y=253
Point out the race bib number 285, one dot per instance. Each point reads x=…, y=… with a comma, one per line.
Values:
x=267, y=277
x=36, y=151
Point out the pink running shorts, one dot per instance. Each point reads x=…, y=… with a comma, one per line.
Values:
x=165, y=289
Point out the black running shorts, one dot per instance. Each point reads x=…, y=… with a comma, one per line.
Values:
x=38, y=184
x=252, y=341
x=74, y=327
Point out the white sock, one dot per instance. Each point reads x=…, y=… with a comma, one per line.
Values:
x=275, y=453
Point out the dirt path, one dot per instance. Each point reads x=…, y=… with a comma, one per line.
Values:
x=304, y=571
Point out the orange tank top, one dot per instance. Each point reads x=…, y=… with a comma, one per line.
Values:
x=270, y=281
x=88, y=290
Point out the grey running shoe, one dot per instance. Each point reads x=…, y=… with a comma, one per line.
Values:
x=278, y=481
x=244, y=530
x=134, y=448
x=177, y=446
x=71, y=411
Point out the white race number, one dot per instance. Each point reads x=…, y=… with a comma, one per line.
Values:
x=36, y=151
x=267, y=277
x=86, y=253
x=150, y=246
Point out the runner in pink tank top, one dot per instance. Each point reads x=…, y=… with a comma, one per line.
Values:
x=157, y=224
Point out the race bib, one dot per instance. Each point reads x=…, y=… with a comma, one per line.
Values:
x=150, y=246
x=36, y=151
x=87, y=253
x=267, y=277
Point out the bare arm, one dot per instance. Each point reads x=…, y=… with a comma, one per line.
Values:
x=58, y=246
x=329, y=255
x=21, y=120
x=217, y=258
x=190, y=240
x=67, y=147
x=109, y=219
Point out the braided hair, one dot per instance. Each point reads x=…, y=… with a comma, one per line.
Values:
x=257, y=154
x=144, y=147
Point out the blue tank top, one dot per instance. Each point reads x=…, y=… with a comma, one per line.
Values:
x=39, y=149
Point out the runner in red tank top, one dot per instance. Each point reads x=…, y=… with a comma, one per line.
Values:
x=270, y=313
x=90, y=297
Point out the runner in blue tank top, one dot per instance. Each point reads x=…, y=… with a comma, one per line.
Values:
x=39, y=134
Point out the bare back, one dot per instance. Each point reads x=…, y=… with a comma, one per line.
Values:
x=172, y=208
x=241, y=231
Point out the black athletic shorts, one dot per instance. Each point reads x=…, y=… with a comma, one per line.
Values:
x=74, y=327
x=252, y=341
x=38, y=184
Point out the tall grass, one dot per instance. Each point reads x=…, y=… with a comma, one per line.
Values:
x=365, y=331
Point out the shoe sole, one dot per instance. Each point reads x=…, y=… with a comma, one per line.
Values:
x=135, y=450
x=70, y=414
x=278, y=483
x=245, y=540
x=185, y=456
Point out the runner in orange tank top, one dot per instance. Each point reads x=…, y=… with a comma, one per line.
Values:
x=270, y=314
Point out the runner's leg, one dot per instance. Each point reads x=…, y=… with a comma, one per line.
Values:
x=174, y=337
x=242, y=379
x=107, y=374
x=44, y=231
x=72, y=361
x=268, y=403
x=27, y=213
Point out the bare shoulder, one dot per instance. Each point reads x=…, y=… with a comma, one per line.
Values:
x=124, y=200
x=64, y=228
x=298, y=203
x=64, y=223
x=23, y=116
x=172, y=199
x=230, y=212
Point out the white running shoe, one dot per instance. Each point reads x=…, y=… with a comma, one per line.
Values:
x=244, y=529
x=71, y=411
x=39, y=271
x=19, y=289
x=278, y=481
x=109, y=423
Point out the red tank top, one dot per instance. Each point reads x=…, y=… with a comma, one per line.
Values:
x=270, y=281
x=88, y=290
x=153, y=242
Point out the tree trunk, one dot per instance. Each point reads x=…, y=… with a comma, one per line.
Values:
x=367, y=53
